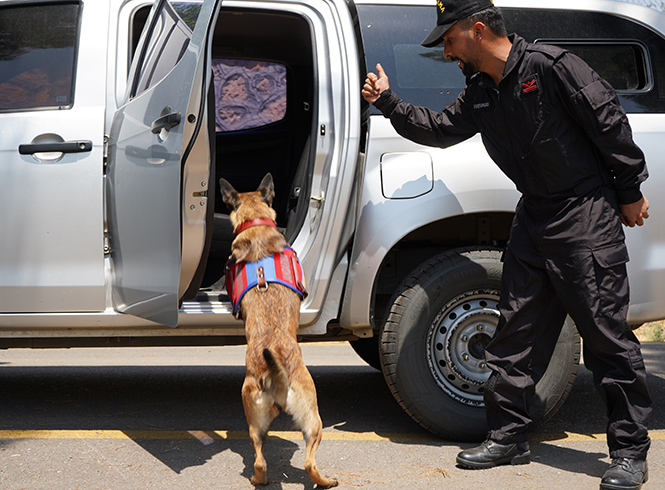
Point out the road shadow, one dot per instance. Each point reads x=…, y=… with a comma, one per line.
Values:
x=199, y=410
x=584, y=413
x=184, y=416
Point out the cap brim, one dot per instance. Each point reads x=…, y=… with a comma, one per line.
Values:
x=436, y=36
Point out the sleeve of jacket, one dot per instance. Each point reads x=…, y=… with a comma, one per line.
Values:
x=426, y=127
x=593, y=103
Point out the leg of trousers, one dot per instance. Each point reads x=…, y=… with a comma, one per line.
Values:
x=529, y=326
x=537, y=293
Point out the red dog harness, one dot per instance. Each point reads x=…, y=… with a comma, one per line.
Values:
x=281, y=268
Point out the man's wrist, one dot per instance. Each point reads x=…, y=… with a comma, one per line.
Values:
x=386, y=102
x=629, y=196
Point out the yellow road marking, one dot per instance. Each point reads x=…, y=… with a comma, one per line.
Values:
x=212, y=435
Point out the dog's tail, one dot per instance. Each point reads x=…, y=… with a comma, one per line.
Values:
x=277, y=381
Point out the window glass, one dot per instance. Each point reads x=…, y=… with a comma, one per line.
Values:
x=629, y=55
x=248, y=94
x=37, y=53
x=622, y=65
x=392, y=37
x=168, y=41
x=413, y=61
x=139, y=20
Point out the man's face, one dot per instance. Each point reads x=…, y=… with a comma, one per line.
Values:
x=460, y=46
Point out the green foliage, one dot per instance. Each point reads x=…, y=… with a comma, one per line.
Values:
x=651, y=332
x=657, y=5
x=654, y=4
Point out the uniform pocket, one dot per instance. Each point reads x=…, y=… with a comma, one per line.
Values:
x=611, y=255
x=601, y=98
x=611, y=277
x=597, y=94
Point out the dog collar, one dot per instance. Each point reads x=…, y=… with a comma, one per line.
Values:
x=255, y=222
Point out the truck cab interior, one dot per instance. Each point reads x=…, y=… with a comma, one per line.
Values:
x=264, y=111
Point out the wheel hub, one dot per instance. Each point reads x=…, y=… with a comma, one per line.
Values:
x=458, y=337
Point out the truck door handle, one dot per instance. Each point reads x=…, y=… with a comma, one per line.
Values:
x=166, y=122
x=56, y=147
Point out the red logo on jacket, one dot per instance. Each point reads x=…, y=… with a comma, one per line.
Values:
x=530, y=85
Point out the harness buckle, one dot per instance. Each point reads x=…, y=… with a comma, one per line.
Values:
x=261, y=285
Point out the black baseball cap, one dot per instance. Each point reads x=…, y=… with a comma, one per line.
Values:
x=450, y=11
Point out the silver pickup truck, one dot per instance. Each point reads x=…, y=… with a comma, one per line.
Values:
x=117, y=119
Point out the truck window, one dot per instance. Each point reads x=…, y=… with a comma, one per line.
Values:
x=37, y=51
x=139, y=19
x=171, y=33
x=248, y=94
x=621, y=64
x=392, y=35
x=628, y=55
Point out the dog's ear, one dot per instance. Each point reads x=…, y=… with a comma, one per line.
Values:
x=229, y=194
x=240, y=250
x=267, y=189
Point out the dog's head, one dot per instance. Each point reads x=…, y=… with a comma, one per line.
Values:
x=247, y=206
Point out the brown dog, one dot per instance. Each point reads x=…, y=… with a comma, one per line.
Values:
x=276, y=378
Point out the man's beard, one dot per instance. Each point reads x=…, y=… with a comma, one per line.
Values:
x=469, y=68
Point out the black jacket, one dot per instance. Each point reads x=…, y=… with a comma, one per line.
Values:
x=552, y=125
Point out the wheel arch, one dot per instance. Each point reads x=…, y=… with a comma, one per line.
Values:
x=467, y=230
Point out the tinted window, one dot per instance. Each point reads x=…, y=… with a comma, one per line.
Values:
x=621, y=64
x=392, y=37
x=628, y=55
x=248, y=94
x=37, y=53
x=139, y=19
x=612, y=45
x=168, y=41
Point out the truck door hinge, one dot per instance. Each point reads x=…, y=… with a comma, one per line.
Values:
x=105, y=151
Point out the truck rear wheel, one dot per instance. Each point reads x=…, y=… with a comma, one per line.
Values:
x=433, y=342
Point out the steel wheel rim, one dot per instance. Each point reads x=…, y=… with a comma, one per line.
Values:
x=456, y=341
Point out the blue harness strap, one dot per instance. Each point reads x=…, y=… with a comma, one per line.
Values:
x=281, y=268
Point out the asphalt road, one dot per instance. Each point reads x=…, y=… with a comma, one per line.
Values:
x=172, y=419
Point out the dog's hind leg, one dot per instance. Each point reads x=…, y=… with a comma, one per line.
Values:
x=257, y=438
x=259, y=415
x=302, y=406
x=313, y=435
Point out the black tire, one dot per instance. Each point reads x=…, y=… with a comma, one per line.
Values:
x=433, y=341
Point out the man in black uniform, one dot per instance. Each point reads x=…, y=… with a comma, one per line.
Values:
x=558, y=132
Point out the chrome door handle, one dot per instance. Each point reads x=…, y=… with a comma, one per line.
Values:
x=166, y=122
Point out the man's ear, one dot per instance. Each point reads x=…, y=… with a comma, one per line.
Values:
x=229, y=194
x=478, y=30
x=267, y=189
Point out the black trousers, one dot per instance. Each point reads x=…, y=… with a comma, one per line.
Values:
x=567, y=257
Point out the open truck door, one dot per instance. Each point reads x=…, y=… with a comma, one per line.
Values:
x=159, y=164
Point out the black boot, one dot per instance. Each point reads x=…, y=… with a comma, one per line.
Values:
x=625, y=474
x=490, y=454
